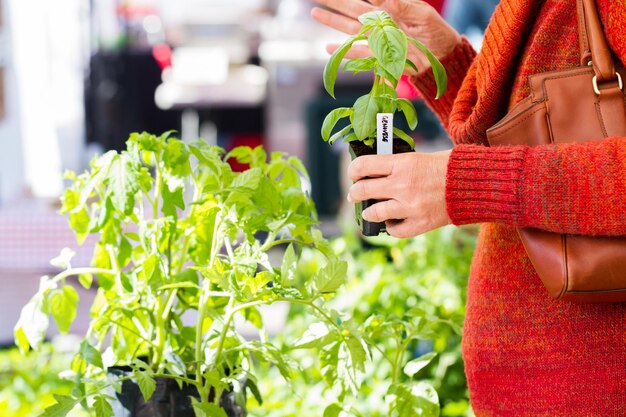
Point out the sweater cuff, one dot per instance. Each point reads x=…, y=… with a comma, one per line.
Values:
x=457, y=64
x=482, y=184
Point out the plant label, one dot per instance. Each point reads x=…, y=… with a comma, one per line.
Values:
x=384, y=133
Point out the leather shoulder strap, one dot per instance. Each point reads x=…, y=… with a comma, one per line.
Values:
x=593, y=44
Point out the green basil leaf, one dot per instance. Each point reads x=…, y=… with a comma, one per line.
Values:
x=341, y=133
x=409, y=111
x=332, y=66
x=411, y=64
x=389, y=45
x=441, y=78
x=64, y=404
x=90, y=354
x=331, y=120
x=365, y=110
x=408, y=139
x=376, y=17
x=360, y=65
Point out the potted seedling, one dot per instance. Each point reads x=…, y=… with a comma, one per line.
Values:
x=183, y=252
x=370, y=129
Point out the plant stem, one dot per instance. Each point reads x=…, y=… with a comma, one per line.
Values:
x=78, y=271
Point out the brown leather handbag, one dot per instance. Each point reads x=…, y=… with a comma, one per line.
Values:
x=581, y=104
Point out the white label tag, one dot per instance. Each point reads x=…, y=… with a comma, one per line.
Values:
x=384, y=133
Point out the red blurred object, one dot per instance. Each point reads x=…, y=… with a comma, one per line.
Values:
x=252, y=140
x=131, y=12
x=437, y=4
x=162, y=53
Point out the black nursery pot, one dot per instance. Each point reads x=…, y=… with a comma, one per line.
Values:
x=359, y=149
x=168, y=400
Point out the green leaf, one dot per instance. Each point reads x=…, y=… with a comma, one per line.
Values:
x=171, y=200
x=331, y=120
x=248, y=179
x=441, y=79
x=102, y=407
x=208, y=410
x=146, y=383
x=360, y=65
x=333, y=410
x=416, y=365
x=351, y=137
x=376, y=17
x=85, y=280
x=63, y=305
x=365, y=110
x=123, y=184
x=343, y=132
x=408, y=139
x=79, y=222
x=90, y=354
x=64, y=404
x=331, y=277
x=409, y=111
x=389, y=45
x=414, y=399
x=32, y=324
x=332, y=66
x=317, y=335
x=411, y=64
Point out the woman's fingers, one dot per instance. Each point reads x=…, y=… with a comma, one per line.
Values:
x=357, y=51
x=383, y=211
x=374, y=188
x=336, y=21
x=350, y=8
x=403, y=229
x=371, y=166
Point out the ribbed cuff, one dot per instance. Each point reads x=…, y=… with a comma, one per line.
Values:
x=457, y=64
x=482, y=184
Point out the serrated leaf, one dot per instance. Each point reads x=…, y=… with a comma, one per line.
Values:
x=441, y=78
x=288, y=267
x=64, y=405
x=330, y=121
x=317, y=335
x=102, y=407
x=32, y=324
x=332, y=66
x=146, y=383
x=331, y=277
x=416, y=365
x=208, y=410
x=414, y=399
x=90, y=354
x=123, y=184
x=63, y=305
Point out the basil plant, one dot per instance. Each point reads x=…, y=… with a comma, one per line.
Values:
x=389, y=46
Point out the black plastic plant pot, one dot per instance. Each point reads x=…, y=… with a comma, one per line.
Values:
x=359, y=149
x=168, y=400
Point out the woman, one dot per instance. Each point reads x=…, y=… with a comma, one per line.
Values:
x=525, y=354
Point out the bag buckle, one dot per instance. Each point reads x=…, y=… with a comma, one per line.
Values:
x=595, y=83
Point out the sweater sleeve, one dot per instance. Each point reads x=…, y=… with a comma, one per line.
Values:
x=570, y=188
x=457, y=64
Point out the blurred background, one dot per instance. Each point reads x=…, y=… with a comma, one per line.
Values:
x=78, y=76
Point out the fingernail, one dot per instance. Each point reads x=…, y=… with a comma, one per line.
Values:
x=349, y=199
x=364, y=214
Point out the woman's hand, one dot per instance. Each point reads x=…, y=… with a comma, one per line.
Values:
x=416, y=18
x=412, y=187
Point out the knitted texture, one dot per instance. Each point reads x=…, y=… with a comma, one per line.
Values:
x=525, y=354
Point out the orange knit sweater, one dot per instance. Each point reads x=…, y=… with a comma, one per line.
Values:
x=525, y=354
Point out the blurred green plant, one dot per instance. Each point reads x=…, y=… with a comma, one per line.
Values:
x=29, y=382
x=407, y=299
